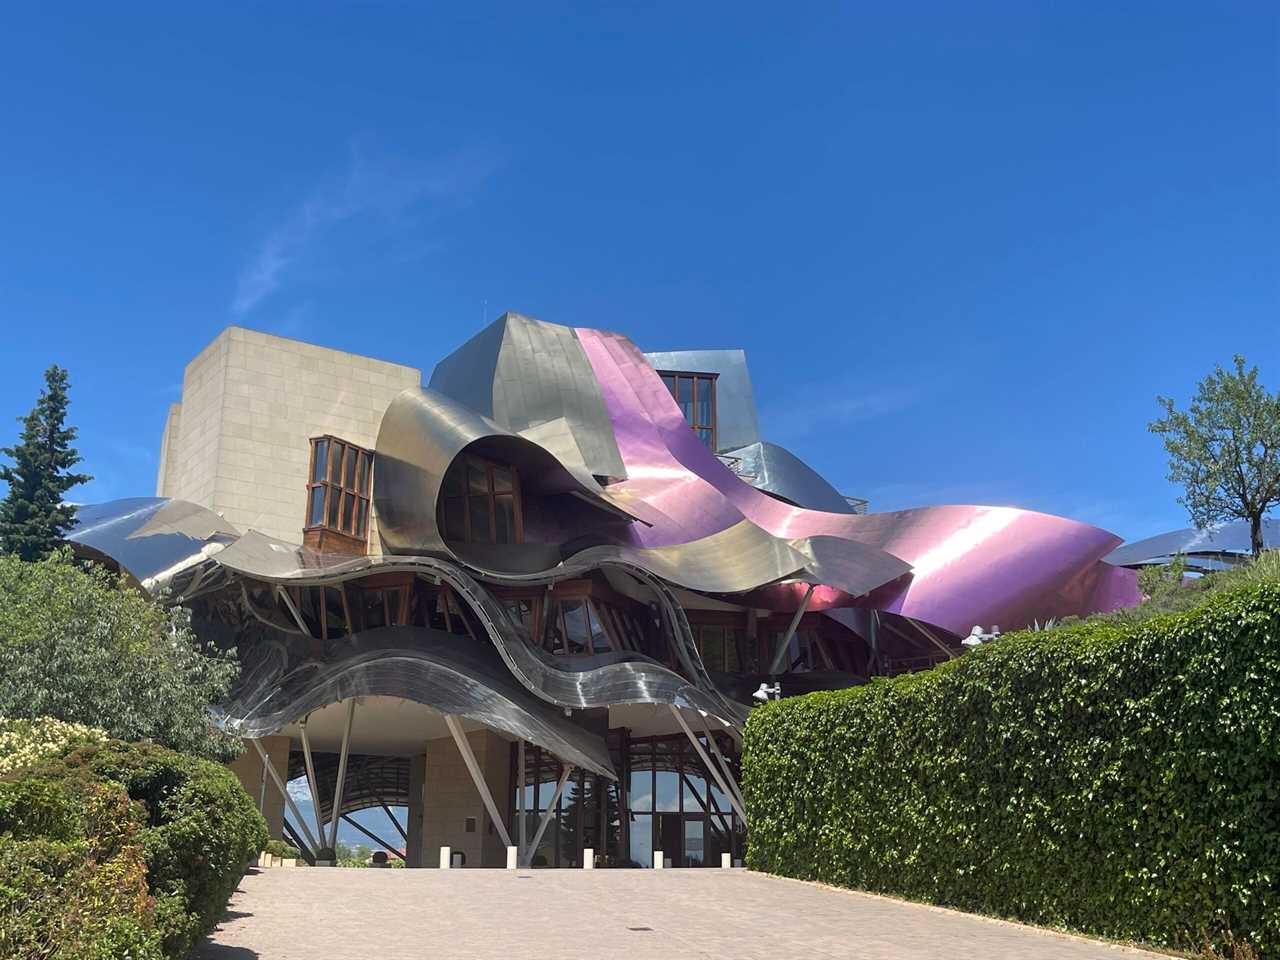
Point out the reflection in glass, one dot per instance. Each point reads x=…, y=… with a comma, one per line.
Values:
x=641, y=851
x=667, y=790
x=315, y=515
x=575, y=625
x=335, y=613
x=702, y=411
x=504, y=518
x=477, y=481
x=364, y=473
x=334, y=501
x=685, y=397
x=455, y=523
x=348, y=513
x=501, y=479
x=351, y=470
x=599, y=636
x=693, y=847
x=321, y=460
x=481, y=532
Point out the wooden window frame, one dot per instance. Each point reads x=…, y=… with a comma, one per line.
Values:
x=334, y=483
x=490, y=497
x=671, y=379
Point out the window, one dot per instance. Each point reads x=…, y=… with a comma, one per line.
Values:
x=481, y=503
x=695, y=395
x=339, y=490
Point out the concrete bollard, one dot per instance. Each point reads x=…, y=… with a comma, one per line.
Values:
x=289, y=862
x=445, y=857
x=658, y=861
x=726, y=861
x=512, y=855
x=588, y=859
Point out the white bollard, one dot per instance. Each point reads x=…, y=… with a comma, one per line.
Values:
x=512, y=854
x=588, y=859
x=726, y=861
x=445, y=857
x=658, y=861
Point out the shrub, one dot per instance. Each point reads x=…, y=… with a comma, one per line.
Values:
x=1114, y=778
x=278, y=848
x=23, y=742
x=80, y=645
x=72, y=873
x=185, y=821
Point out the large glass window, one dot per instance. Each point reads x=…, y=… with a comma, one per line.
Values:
x=339, y=487
x=695, y=395
x=481, y=503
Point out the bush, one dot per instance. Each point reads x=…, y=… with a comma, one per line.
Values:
x=80, y=645
x=132, y=813
x=278, y=848
x=1120, y=779
x=23, y=742
x=72, y=873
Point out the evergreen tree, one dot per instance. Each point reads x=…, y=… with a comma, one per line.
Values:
x=33, y=516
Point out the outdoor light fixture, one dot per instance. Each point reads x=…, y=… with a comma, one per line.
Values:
x=767, y=692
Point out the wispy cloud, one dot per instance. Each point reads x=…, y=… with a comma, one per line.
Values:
x=372, y=186
x=824, y=406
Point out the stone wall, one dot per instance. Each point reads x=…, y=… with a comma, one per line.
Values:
x=238, y=443
x=451, y=797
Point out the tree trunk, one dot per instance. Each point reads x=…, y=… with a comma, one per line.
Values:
x=1255, y=533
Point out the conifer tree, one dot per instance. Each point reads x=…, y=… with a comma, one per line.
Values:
x=33, y=516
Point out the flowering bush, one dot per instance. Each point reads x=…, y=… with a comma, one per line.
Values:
x=23, y=742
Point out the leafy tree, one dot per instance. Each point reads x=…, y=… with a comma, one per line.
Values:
x=1225, y=449
x=81, y=646
x=33, y=516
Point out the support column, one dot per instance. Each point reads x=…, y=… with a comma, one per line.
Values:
x=414, y=850
x=454, y=814
x=250, y=771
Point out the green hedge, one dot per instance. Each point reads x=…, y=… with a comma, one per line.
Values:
x=1116, y=779
x=180, y=826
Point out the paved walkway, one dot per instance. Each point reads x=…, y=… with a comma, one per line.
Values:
x=339, y=914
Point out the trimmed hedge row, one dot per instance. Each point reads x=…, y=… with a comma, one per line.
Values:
x=1120, y=780
x=120, y=850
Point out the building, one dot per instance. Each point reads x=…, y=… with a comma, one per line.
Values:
x=532, y=601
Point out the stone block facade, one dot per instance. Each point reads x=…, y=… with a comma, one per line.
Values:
x=254, y=778
x=238, y=442
x=451, y=799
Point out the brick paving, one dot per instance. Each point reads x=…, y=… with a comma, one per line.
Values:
x=339, y=914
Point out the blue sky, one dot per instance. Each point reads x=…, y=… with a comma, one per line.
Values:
x=964, y=245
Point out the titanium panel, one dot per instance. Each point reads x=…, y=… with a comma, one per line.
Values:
x=970, y=565
x=525, y=374
x=1229, y=539
x=421, y=434
x=153, y=539
x=775, y=469
x=599, y=681
x=449, y=673
x=736, y=424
